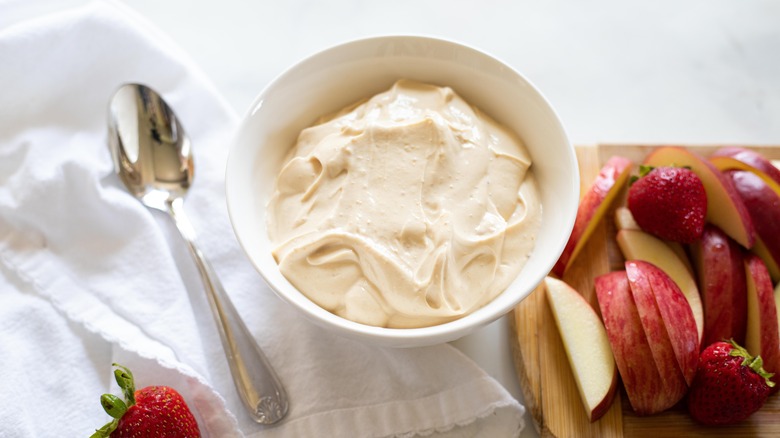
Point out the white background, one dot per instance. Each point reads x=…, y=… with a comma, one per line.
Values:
x=655, y=71
x=705, y=71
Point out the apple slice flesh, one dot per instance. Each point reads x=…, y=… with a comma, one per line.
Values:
x=624, y=220
x=638, y=245
x=610, y=180
x=724, y=206
x=675, y=382
x=763, y=331
x=777, y=309
x=750, y=157
x=760, y=249
x=641, y=378
x=587, y=347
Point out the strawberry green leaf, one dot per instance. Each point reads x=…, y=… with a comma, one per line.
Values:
x=124, y=378
x=113, y=405
x=644, y=170
x=105, y=431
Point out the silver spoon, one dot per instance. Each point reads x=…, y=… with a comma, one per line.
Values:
x=153, y=158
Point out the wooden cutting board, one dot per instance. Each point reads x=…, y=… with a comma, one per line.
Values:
x=543, y=370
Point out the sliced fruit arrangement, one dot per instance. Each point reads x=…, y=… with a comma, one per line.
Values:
x=724, y=206
x=641, y=378
x=638, y=245
x=646, y=329
x=152, y=411
x=701, y=243
x=656, y=294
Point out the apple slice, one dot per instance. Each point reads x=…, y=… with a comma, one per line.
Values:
x=763, y=332
x=735, y=158
x=763, y=205
x=587, y=347
x=721, y=273
x=638, y=245
x=760, y=249
x=610, y=180
x=777, y=307
x=624, y=220
x=678, y=319
x=668, y=346
x=643, y=382
x=750, y=158
x=724, y=206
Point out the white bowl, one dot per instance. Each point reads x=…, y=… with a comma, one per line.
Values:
x=336, y=77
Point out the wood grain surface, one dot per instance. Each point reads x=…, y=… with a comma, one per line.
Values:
x=545, y=376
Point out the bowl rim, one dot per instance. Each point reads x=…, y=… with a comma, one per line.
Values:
x=398, y=336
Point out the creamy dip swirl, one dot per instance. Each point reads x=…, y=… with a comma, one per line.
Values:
x=409, y=209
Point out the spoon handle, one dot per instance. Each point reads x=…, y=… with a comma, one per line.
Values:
x=255, y=379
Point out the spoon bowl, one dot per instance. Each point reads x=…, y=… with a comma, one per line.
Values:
x=151, y=151
x=153, y=158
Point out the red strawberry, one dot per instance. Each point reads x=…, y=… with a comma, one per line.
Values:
x=729, y=386
x=669, y=202
x=153, y=411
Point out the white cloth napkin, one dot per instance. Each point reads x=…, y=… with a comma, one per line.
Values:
x=88, y=276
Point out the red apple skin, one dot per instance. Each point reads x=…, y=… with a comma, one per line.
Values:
x=768, y=332
x=677, y=318
x=763, y=205
x=593, y=206
x=643, y=382
x=655, y=329
x=749, y=157
x=724, y=205
x=720, y=272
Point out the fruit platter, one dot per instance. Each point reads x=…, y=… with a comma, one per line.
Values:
x=614, y=343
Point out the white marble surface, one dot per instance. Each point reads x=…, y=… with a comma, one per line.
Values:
x=693, y=71
x=703, y=71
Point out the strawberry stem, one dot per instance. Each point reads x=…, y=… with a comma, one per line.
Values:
x=124, y=378
x=105, y=431
x=643, y=170
x=113, y=405
x=754, y=363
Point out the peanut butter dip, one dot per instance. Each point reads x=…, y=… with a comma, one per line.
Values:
x=409, y=209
